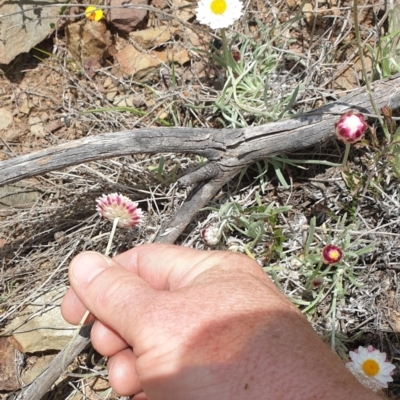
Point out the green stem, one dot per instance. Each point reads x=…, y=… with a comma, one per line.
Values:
x=346, y=155
x=225, y=49
x=333, y=320
x=364, y=69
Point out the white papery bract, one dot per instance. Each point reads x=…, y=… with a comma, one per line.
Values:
x=370, y=367
x=112, y=206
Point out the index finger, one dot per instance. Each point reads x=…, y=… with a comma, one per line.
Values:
x=168, y=267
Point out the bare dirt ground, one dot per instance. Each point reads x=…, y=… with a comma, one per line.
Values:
x=48, y=219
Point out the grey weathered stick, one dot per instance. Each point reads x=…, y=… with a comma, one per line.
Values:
x=229, y=148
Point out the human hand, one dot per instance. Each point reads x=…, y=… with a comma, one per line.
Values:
x=183, y=324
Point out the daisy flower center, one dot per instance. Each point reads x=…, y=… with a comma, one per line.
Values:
x=334, y=254
x=218, y=7
x=370, y=367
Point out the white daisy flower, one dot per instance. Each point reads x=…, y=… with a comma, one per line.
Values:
x=219, y=13
x=370, y=367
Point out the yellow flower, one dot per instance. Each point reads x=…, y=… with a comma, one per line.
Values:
x=93, y=13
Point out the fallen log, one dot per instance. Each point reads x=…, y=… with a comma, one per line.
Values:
x=227, y=150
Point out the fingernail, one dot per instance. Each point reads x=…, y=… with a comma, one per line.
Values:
x=86, y=266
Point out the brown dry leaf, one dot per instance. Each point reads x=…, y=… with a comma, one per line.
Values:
x=153, y=37
x=351, y=181
x=133, y=62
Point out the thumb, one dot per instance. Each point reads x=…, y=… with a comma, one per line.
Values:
x=114, y=295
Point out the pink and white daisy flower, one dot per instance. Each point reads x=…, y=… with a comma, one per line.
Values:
x=351, y=127
x=331, y=254
x=112, y=206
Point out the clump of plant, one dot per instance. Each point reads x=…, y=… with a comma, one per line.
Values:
x=327, y=266
x=252, y=225
x=253, y=91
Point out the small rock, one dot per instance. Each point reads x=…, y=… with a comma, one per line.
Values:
x=126, y=19
x=54, y=125
x=293, y=4
x=108, y=83
x=136, y=100
x=120, y=101
x=36, y=126
x=6, y=118
x=308, y=11
x=161, y=4
x=8, y=368
x=20, y=194
x=111, y=94
x=24, y=25
x=88, y=39
x=10, y=135
x=184, y=10
x=35, y=366
x=179, y=55
x=26, y=107
x=40, y=326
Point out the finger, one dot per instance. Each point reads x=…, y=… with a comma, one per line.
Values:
x=162, y=266
x=72, y=309
x=140, y=396
x=122, y=373
x=168, y=267
x=105, y=340
x=114, y=295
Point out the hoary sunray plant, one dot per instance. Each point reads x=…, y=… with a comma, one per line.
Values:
x=327, y=267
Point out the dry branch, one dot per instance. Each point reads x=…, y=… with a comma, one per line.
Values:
x=227, y=151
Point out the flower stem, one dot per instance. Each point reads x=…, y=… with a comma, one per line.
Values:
x=87, y=312
x=112, y=233
x=225, y=49
x=364, y=69
x=346, y=155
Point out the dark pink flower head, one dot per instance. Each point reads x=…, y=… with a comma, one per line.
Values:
x=331, y=254
x=112, y=206
x=351, y=127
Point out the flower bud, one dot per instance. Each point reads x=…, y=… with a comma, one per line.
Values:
x=211, y=235
x=351, y=127
x=387, y=111
x=331, y=254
